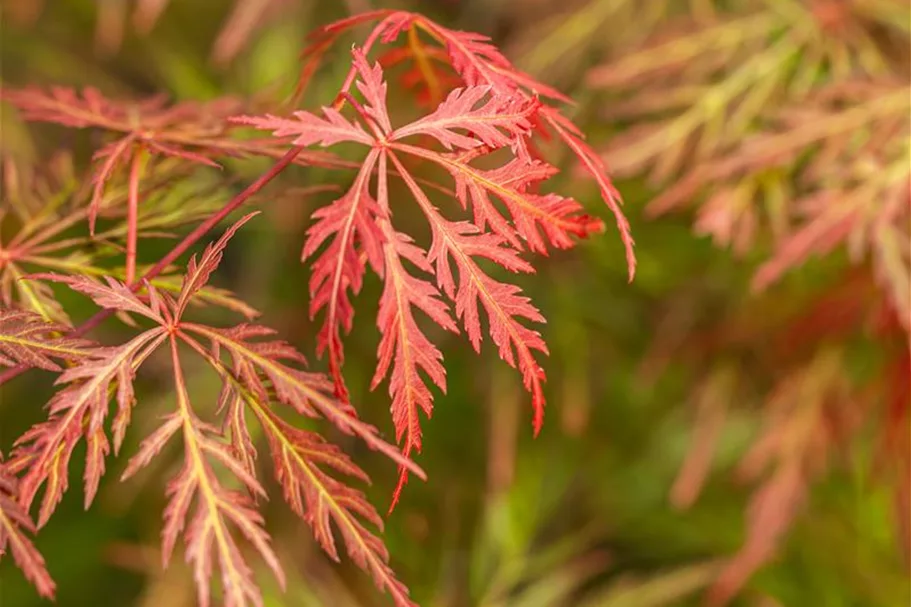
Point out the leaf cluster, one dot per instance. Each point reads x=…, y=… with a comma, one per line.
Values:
x=480, y=131
x=784, y=127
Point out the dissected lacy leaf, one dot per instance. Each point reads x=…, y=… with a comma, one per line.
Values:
x=349, y=225
x=44, y=231
x=513, y=184
x=147, y=128
x=189, y=131
x=480, y=134
x=28, y=339
x=313, y=494
x=297, y=455
x=476, y=62
x=208, y=536
x=37, y=209
x=357, y=231
x=307, y=393
x=262, y=371
x=461, y=242
x=78, y=412
x=200, y=270
x=492, y=119
x=15, y=524
x=403, y=346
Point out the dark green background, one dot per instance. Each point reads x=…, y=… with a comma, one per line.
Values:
x=580, y=517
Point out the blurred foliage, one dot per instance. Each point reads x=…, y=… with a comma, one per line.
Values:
x=658, y=389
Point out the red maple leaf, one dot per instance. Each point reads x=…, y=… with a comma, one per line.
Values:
x=15, y=523
x=261, y=372
x=357, y=231
x=476, y=62
x=145, y=128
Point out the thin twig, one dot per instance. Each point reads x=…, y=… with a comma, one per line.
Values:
x=188, y=241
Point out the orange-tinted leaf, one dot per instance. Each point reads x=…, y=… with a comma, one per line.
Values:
x=404, y=346
x=199, y=271
x=491, y=119
x=28, y=339
x=79, y=410
x=14, y=524
x=349, y=225
x=300, y=458
x=208, y=536
x=503, y=302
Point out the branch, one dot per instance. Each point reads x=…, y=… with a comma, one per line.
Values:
x=188, y=241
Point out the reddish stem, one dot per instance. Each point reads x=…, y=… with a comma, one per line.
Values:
x=133, y=216
x=377, y=131
x=352, y=73
x=188, y=241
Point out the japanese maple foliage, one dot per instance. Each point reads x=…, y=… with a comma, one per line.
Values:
x=470, y=124
x=483, y=134
x=15, y=525
x=786, y=127
x=258, y=372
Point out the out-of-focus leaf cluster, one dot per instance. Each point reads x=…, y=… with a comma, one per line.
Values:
x=684, y=390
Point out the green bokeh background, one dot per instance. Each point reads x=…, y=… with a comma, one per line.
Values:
x=579, y=515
